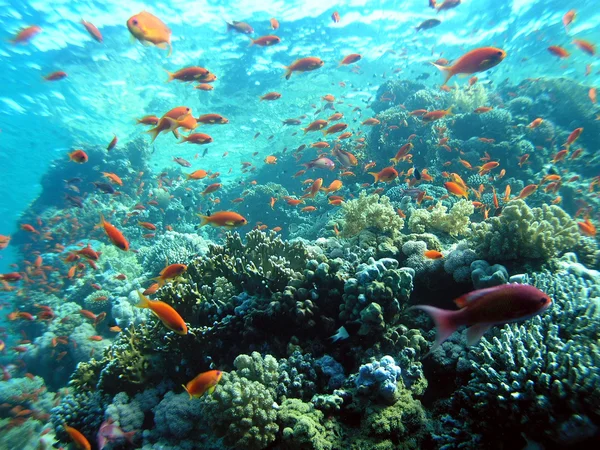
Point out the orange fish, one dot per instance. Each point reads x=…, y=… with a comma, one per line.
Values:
x=77, y=437
x=568, y=18
x=165, y=313
x=308, y=209
x=316, y=125
x=92, y=30
x=482, y=109
x=187, y=74
x=147, y=225
x=592, y=95
x=148, y=28
x=303, y=65
x=536, y=123
x=78, y=156
x=371, y=121
x=433, y=254
x=265, y=41
x=25, y=35
x=55, y=76
x=113, y=178
x=338, y=127
x=478, y=60
x=456, y=189
x=270, y=96
x=204, y=87
x=115, y=236
x=559, y=51
x=335, y=17
x=274, y=23
x=587, y=228
x=585, y=46
x=527, y=191
x=212, y=119
x=227, y=219
x=170, y=272
x=196, y=175
x=147, y=120
x=386, y=175
x=271, y=159
x=112, y=143
x=335, y=186
x=211, y=188
x=352, y=58
x=240, y=27
x=196, y=138
x=573, y=137
x=487, y=167
x=206, y=382
x=436, y=115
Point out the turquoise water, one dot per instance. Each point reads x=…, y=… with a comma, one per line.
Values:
x=112, y=83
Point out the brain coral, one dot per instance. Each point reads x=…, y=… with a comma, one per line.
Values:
x=524, y=232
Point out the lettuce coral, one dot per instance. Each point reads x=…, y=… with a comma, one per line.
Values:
x=524, y=232
x=370, y=211
x=454, y=223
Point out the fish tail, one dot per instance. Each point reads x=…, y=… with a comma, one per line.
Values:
x=153, y=132
x=446, y=69
x=252, y=41
x=204, y=220
x=449, y=110
x=170, y=49
x=443, y=320
x=144, y=301
x=171, y=76
x=376, y=175
x=288, y=74
x=324, y=133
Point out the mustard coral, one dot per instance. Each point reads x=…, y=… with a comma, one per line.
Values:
x=454, y=223
x=370, y=211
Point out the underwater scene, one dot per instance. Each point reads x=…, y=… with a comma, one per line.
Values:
x=299, y=225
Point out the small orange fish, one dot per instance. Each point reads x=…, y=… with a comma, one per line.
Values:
x=115, y=235
x=205, y=382
x=587, y=228
x=433, y=254
x=78, y=156
x=456, y=189
x=478, y=60
x=335, y=17
x=536, y=123
x=308, y=209
x=227, y=219
x=146, y=27
x=585, y=46
x=270, y=96
x=556, y=50
x=592, y=95
x=271, y=160
x=352, y=58
x=92, y=30
x=265, y=41
x=25, y=35
x=274, y=23
x=386, y=175
x=77, y=437
x=527, y=191
x=303, y=65
x=165, y=313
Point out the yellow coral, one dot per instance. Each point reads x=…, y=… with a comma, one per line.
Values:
x=468, y=98
x=454, y=223
x=370, y=211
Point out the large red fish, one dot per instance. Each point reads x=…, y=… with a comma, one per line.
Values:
x=484, y=308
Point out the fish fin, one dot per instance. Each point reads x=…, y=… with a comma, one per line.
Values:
x=144, y=301
x=129, y=435
x=189, y=393
x=204, y=219
x=376, y=175
x=252, y=42
x=475, y=332
x=443, y=320
x=170, y=50
x=447, y=69
x=211, y=389
x=470, y=297
x=287, y=75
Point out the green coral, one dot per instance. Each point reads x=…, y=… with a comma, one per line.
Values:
x=455, y=222
x=304, y=427
x=256, y=368
x=403, y=425
x=370, y=211
x=242, y=412
x=524, y=232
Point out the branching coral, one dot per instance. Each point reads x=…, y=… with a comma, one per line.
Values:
x=454, y=223
x=370, y=211
x=524, y=232
x=544, y=371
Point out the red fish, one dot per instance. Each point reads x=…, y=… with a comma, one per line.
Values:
x=303, y=65
x=91, y=28
x=484, y=308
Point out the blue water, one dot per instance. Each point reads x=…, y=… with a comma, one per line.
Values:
x=110, y=84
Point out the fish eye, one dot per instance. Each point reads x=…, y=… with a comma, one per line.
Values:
x=134, y=21
x=499, y=53
x=543, y=300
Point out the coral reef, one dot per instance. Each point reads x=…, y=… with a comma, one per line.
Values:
x=370, y=211
x=455, y=222
x=524, y=232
